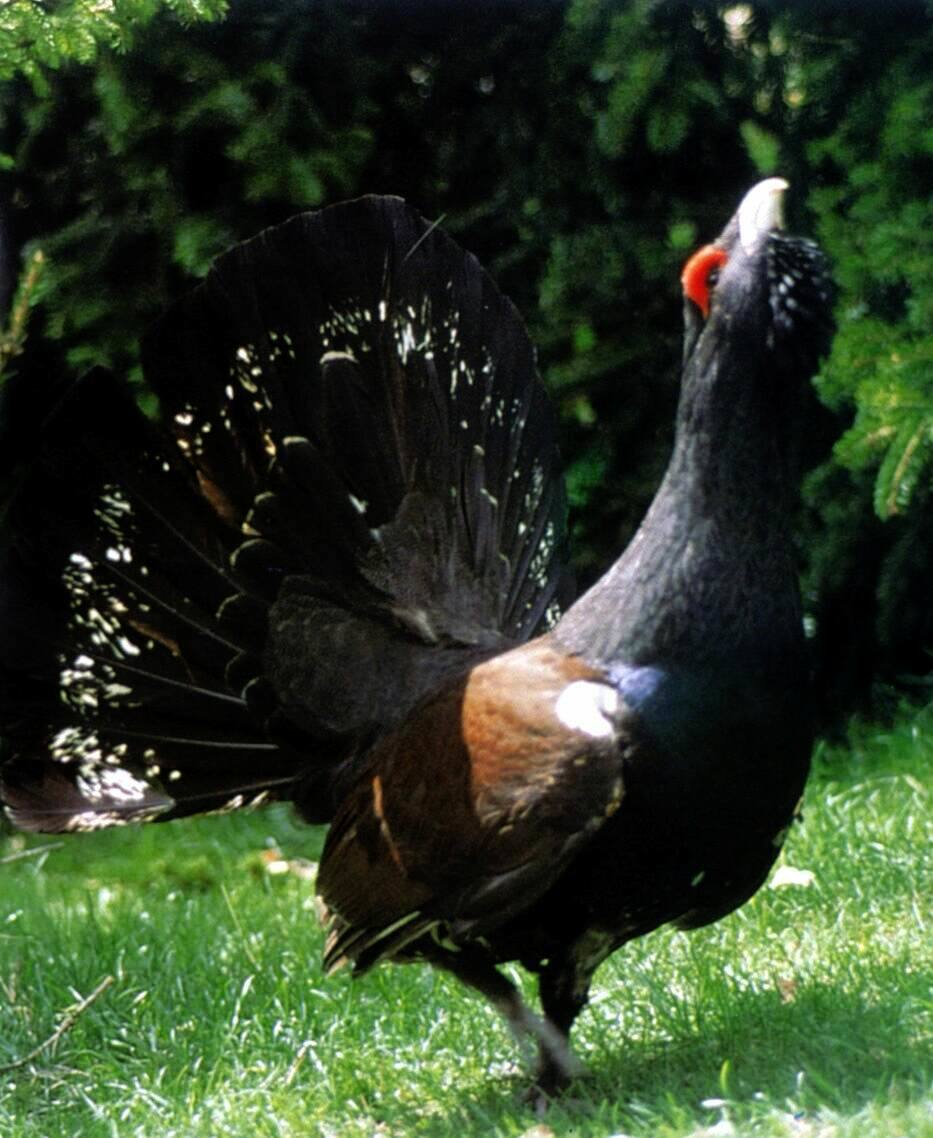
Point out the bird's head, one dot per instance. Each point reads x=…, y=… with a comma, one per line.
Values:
x=757, y=278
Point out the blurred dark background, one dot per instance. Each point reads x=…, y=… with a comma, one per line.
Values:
x=581, y=148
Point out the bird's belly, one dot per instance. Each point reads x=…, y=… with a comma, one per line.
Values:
x=690, y=855
x=683, y=851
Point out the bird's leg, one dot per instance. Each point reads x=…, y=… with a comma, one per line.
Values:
x=564, y=991
x=479, y=973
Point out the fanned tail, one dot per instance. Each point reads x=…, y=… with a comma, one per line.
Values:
x=115, y=650
x=354, y=493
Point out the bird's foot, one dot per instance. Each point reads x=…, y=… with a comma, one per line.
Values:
x=538, y=1100
x=557, y=1068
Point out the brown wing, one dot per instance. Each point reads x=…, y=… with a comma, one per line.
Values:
x=467, y=813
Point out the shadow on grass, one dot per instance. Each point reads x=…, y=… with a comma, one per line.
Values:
x=825, y=1050
x=847, y=1049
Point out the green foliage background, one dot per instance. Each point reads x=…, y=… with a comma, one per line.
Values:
x=581, y=148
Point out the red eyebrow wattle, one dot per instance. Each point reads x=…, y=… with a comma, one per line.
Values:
x=695, y=277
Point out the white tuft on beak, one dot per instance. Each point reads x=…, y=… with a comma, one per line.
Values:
x=762, y=210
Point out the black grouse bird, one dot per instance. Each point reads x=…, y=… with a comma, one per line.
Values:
x=334, y=574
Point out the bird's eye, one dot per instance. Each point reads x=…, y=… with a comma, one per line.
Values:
x=700, y=275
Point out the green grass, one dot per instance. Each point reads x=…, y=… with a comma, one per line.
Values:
x=806, y=1014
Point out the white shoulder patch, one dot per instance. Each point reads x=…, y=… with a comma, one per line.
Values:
x=588, y=706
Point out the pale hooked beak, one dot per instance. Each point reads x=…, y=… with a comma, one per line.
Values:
x=762, y=210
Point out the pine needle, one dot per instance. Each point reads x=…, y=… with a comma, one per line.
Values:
x=69, y=1019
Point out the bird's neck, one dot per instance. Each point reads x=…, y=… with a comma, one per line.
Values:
x=710, y=573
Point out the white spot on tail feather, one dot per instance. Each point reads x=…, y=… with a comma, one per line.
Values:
x=331, y=357
x=588, y=707
x=117, y=786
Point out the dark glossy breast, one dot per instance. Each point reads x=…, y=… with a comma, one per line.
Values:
x=706, y=807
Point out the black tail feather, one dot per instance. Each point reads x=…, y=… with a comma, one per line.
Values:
x=114, y=698
x=355, y=492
